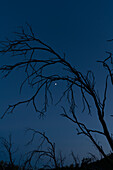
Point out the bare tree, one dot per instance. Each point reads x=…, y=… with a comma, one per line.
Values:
x=9, y=147
x=27, y=47
x=76, y=160
x=46, y=150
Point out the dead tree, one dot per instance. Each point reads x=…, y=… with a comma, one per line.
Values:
x=9, y=148
x=42, y=152
x=27, y=48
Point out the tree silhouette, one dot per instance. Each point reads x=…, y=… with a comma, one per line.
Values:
x=9, y=147
x=30, y=51
x=41, y=152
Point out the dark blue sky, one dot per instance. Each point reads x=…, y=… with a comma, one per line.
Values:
x=78, y=28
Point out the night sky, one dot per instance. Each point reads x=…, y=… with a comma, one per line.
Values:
x=78, y=28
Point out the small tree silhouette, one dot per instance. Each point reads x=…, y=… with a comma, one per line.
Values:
x=9, y=147
x=41, y=153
